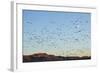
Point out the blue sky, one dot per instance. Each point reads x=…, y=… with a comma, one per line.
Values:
x=58, y=33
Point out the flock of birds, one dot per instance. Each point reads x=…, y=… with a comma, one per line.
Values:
x=51, y=37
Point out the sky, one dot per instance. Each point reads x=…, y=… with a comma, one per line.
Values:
x=57, y=33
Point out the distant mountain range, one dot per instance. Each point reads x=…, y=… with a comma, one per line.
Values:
x=40, y=57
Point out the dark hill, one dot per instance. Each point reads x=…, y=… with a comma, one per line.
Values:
x=40, y=57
